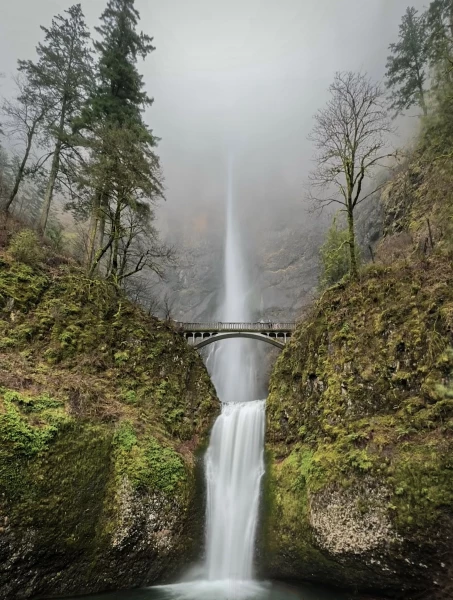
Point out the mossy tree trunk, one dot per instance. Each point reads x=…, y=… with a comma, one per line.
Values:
x=50, y=189
x=21, y=170
x=352, y=243
x=53, y=171
x=116, y=235
x=93, y=231
x=451, y=19
x=96, y=232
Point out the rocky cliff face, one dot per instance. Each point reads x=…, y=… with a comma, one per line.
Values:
x=281, y=262
x=360, y=422
x=286, y=256
x=101, y=411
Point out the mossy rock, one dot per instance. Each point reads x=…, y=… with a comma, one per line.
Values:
x=101, y=411
x=360, y=430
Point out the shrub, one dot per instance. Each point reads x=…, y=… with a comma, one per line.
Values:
x=25, y=247
x=334, y=253
x=55, y=235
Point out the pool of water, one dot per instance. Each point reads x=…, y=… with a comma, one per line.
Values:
x=223, y=590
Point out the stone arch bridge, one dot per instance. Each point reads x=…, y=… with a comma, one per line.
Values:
x=200, y=335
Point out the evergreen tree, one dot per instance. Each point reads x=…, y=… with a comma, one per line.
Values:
x=63, y=73
x=113, y=124
x=408, y=64
x=440, y=27
x=124, y=166
x=119, y=98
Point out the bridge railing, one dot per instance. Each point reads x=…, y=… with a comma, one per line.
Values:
x=218, y=326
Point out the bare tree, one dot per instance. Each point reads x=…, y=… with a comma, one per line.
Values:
x=351, y=138
x=168, y=303
x=22, y=119
x=141, y=290
x=141, y=249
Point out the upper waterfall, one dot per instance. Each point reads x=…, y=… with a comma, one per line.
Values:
x=233, y=364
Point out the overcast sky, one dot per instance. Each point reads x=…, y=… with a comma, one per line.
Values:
x=241, y=77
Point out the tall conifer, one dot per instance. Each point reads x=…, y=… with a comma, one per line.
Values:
x=407, y=66
x=113, y=123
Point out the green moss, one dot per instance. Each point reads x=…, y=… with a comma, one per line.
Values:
x=363, y=393
x=294, y=552
x=63, y=490
x=28, y=424
x=95, y=396
x=87, y=328
x=21, y=287
x=25, y=247
x=146, y=462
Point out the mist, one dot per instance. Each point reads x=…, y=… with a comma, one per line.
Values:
x=241, y=79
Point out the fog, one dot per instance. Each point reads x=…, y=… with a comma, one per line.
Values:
x=241, y=78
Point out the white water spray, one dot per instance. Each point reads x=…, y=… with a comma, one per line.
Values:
x=234, y=467
x=234, y=461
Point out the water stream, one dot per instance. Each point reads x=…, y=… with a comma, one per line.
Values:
x=234, y=467
x=234, y=461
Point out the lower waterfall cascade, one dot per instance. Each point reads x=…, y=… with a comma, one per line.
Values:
x=234, y=467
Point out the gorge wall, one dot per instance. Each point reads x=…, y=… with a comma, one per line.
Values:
x=360, y=411
x=101, y=412
x=360, y=416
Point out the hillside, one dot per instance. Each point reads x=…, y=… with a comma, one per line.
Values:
x=360, y=412
x=101, y=411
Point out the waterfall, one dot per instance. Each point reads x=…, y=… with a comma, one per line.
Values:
x=234, y=467
x=234, y=461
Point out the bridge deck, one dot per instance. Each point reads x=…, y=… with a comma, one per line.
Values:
x=236, y=327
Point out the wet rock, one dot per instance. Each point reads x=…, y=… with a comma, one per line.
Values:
x=360, y=486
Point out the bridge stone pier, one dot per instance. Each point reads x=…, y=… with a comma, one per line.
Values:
x=200, y=335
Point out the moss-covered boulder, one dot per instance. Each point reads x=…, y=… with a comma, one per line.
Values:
x=101, y=411
x=360, y=434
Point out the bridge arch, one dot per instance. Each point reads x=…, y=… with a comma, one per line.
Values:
x=217, y=337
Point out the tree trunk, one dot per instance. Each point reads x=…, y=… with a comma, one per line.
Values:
x=100, y=254
x=352, y=244
x=20, y=172
x=116, y=243
x=93, y=231
x=451, y=20
x=423, y=105
x=53, y=172
x=50, y=188
x=109, y=264
x=96, y=231
x=123, y=261
x=422, y=99
x=101, y=227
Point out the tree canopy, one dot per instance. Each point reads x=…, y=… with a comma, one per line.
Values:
x=351, y=139
x=63, y=74
x=407, y=66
